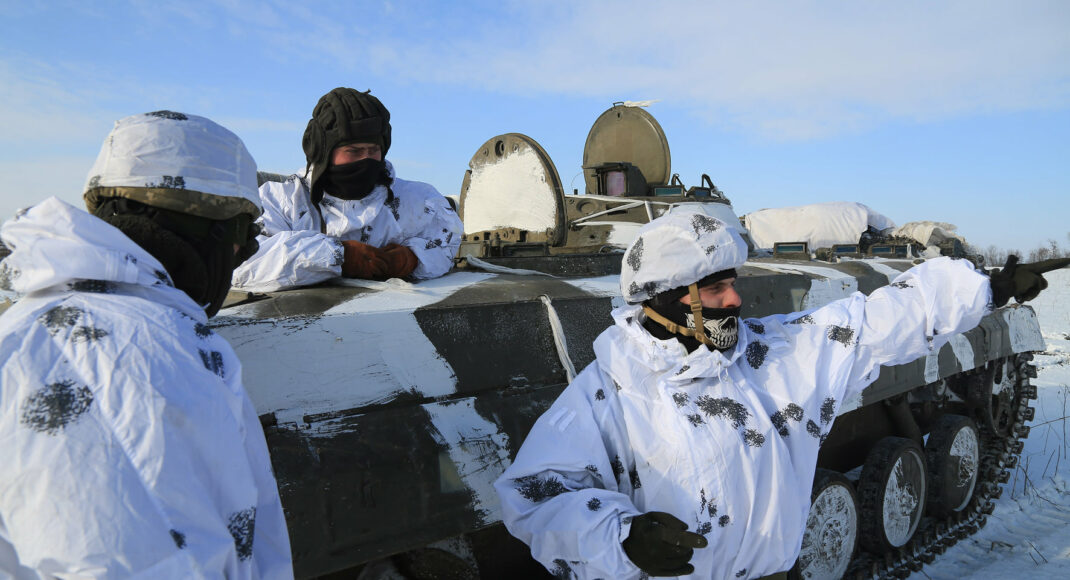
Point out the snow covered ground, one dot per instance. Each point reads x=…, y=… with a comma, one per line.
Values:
x=1028, y=535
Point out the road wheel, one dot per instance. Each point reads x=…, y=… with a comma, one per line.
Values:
x=891, y=492
x=831, y=529
x=953, y=455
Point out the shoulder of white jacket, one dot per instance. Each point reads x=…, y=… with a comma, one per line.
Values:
x=405, y=187
x=284, y=189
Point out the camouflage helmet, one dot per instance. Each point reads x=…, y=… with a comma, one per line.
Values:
x=342, y=116
x=676, y=250
x=177, y=162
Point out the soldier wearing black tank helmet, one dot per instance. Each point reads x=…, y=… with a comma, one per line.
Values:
x=349, y=214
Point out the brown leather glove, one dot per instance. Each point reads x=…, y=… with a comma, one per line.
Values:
x=400, y=260
x=363, y=261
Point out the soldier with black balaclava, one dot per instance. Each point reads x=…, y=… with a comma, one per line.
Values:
x=350, y=215
x=130, y=448
x=688, y=447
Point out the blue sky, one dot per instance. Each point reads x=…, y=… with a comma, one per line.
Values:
x=947, y=111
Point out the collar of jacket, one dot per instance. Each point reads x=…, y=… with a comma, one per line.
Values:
x=56, y=245
x=641, y=353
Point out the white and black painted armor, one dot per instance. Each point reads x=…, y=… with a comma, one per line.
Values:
x=300, y=243
x=725, y=441
x=130, y=446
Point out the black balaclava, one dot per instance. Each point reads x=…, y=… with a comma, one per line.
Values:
x=197, y=252
x=720, y=325
x=355, y=180
x=342, y=116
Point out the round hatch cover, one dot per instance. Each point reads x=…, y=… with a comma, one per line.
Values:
x=629, y=135
x=512, y=183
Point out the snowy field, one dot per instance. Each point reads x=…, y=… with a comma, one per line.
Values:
x=1028, y=535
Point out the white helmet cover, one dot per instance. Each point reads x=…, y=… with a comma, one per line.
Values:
x=176, y=161
x=676, y=250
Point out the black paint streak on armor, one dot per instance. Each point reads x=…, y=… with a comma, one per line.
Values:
x=169, y=115
x=710, y=249
x=828, y=410
x=724, y=408
x=339, y=257
x=600, y=395
x=804, y=319
x=617, y=385
x=812, y=428
x=634, y=476
x=162, y=277
x=59, y=318
x=54, y=407
x=741, y=573
x=94, y=286
x=93, y=182
x=704, y=528
x=683, y=370
x=755, y=326
x=702, y=223
x=724, y=521
x=680, y=399
x=592, y=469
x=618, y=468
x=364, y=235
x=635, y=255
x=695, y=419
x=902, y=284
x=537, y=489
x=594, y=504
x=213, y=361
x=449, y=237
x=179, y=538
x=753, y=438
x=431, y=244
x=88, y=334
x=841, y=334
x=242, y=526
x=756, y=354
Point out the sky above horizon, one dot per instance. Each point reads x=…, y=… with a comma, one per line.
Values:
x=955, y=111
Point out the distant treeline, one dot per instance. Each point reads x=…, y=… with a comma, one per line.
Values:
x=995, y=257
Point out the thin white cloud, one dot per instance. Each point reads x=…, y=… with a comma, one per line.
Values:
x=787, y=69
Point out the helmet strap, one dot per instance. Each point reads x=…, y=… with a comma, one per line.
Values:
x=698, y=333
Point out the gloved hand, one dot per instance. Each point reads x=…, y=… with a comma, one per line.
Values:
x=1022, y=281
x=660, y=545
x=400, y=260
x=363, y=261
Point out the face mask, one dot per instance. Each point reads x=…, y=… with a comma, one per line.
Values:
x=721, y=324
x=355, y=180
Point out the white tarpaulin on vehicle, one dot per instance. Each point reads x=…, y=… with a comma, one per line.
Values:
x=820, y=224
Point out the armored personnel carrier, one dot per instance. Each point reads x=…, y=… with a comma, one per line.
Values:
x=390, y=408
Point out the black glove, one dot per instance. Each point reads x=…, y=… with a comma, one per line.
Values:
x=1022, y=281
x=660, y=545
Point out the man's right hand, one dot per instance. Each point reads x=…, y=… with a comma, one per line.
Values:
x=660, y=545
x=363, y=261
x=1022, y=281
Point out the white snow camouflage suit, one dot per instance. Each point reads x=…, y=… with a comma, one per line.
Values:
x=129, y=447
x=295, y=251
x=727, y=442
